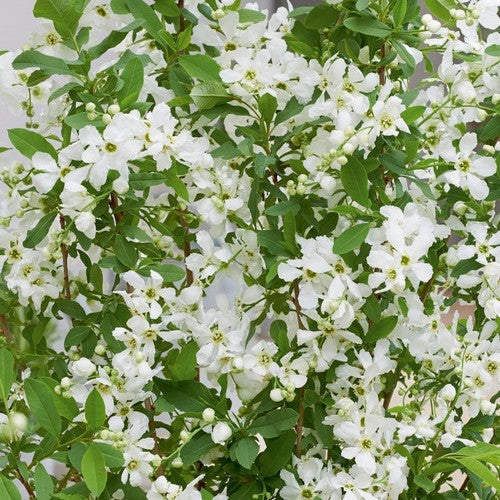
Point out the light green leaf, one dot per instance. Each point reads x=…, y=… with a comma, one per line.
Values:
x=251, y=16
x=72, y=308
x=184, y=366
x=321, y=16
x=480, y=470
x=246, y=451
x=42, y=406
x=399, y=11
x=8, y=490
x=493, y=50
x=267, y=106
x=425, y=483
x=381, y=329
x=206, y=95
x=94, y=470
x=44, y=486
x=38, y=233
x=367, y=26
x=169, y=272
x=272, y=424
x=355, y=181
x=112, y=457
x=152, y=24
x=351, y=238
x=6, y=373
x=438, y=9
x=28, y=143
x=201, y=67
x=95, y=413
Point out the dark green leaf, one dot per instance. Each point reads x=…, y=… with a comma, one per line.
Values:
x=251, y=16
x=65, y=14
x=278, y=454
x=321, y=16
x=76, y=336
x=49, y=64
x=125, y=252
x=425, y=483
x=274, y=423
x=355, y=181
x=206, y=95
x=71, y=308
x=184, y=367
x=267, y=106
x=44, y=486
x=6, y=373
x=198, y=446
x=246, y=451
x=438, y=9
x=133, y=80
x=381, y=329
x=169, y=272
x=188, y=395
x=409, y=115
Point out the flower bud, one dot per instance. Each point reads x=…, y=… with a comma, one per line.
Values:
x=434, y=26
x=100, y=349
x=161, y=485
x=276, y=395
x=221, y=433
x=83, y=367
x=177, y=463
x=302, y=178
x=19, y=421
x=65, y=382
x=90, y=107
x=184, y=436
x=208, y=415
x=106, y=118
x=113, y=109
x=448, y=392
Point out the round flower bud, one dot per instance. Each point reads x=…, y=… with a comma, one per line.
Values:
x=327, y=183
x=113, y=109
x=90, y=107
x=434, y=26
x=65, y=382
x=19, y=421
x=276, y=395
x=100, y=349
x=302, y=178
x=470, y=21
x=424, y=35
x=342, y=160
x=184, y=435
x=83, y=367
x=489, y=149
x=348, y=148
x=475, y=13
x=458, y=14
x=448, y=392
x=177, y=462
x=487, y=407
x=221, y=433
x=208, y=415
x=91, y=116
x=495, y=99
x=427, y=18
x=104, y=434
x=301, y=189
x=106, y=118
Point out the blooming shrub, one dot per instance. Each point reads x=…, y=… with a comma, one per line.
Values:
x=230, y=242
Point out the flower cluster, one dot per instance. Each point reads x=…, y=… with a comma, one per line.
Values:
x=248, y=255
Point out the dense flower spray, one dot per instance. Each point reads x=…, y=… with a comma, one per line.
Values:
x=235, y=248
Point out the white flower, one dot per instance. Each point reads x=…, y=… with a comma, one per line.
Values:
x=83, y=367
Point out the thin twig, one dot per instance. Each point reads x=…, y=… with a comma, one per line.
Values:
x=186, y=251
x=300, y=422
x=148, y=404
x=4, y=325
x=182, y=21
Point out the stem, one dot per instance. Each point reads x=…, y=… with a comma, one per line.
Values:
x=186, y=250
x=64, y=251
x=25, y=483
x=182, y=21
x=295, y=300
x=381, y=70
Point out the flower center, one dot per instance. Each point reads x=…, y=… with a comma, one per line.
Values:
x=110, y=147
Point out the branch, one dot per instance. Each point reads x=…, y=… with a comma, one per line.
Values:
x=182, y=21
x=186, y=250
x=300, y=422
x=4, y=325
x=148, y=404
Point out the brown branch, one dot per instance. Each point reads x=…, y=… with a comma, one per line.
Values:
x=64, y=252
x=300, y=424
x=381, y=70
x=295, y=300
x=25, y=483
x=186, y=251
x=113, y=203
x=426, y=289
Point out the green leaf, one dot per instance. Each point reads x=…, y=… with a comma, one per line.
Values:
x=194, y=449
x=133, y=80
x=94, y=470
x=95, y=413
x=381, y=329
x=464, y=266
x=112, y=457
x=250, y=16
x=493, y=50
x=399, y=12
x=28, y=143
x=76, y=336
x=438, y=9
x=42, y=406
x=79, y=120
x=355, y=181
x=289, y=206
x=184, y=366
x=112, y=40
x=267, y=106
x=167, y=7
x=49, y=64
x=169, y=272
x=480, y=470
x=367, y=26
x=125, y=252
x=321, y=16
x=246, y=451
x=38, y=233
x=411, y=114
x=44, y=486
x=65, y=14
x=278, y=332
x=6, y=373
x=8, y=490
x=206, y=95
x=71, y=308
x=152, y=24
x=188, y=395
x=277, y=454
x=404, y=54
x=272, y=424
x=425, y=483
x=201, y=67
x=351, y=238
